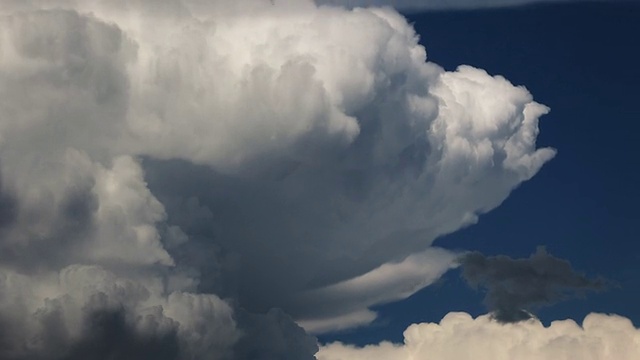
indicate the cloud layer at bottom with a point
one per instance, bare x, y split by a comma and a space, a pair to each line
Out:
458, 336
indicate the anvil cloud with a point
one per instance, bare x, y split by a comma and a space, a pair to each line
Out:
179, 170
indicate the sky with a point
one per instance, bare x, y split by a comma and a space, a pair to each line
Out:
185, 179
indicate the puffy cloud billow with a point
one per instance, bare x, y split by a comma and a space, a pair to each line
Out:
180, 177
460, 337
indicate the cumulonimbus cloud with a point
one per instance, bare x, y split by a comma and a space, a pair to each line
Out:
178, 169
458, 336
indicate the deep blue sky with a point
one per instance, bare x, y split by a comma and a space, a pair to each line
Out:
583, 61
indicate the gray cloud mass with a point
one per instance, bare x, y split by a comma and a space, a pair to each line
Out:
514, 286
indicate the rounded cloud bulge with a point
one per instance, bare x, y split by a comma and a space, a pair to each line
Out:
459, 336
174, 170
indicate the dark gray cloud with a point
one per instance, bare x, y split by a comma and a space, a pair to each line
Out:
273, 336
106, 334
30, 250
115, 333
8, 209
514, 287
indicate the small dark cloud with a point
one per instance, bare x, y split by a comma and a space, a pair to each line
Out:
515, 286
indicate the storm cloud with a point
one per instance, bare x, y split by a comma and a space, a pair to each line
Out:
195, 173
514, 287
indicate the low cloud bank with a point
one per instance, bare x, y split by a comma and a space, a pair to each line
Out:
458, 336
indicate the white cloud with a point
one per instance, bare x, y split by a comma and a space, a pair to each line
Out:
459, 337
261, 154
